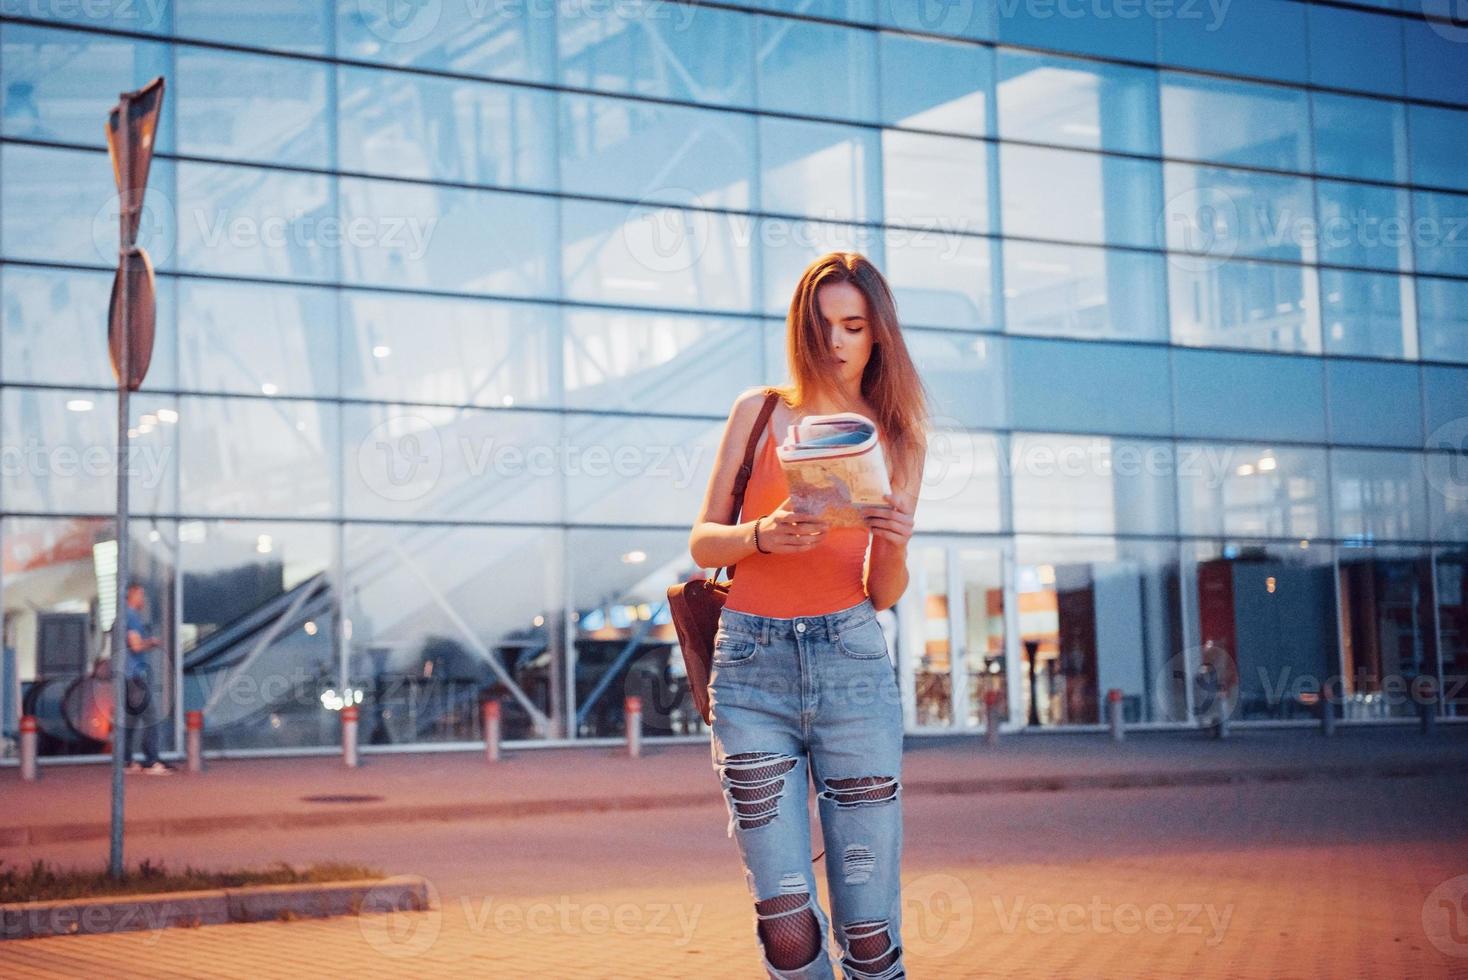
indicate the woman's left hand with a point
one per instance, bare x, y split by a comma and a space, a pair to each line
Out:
894, 524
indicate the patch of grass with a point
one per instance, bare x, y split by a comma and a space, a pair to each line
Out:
43, 882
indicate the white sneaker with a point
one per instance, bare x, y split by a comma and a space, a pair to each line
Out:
133, 766
159, 768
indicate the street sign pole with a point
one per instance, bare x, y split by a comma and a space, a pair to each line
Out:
131, 127
119, 615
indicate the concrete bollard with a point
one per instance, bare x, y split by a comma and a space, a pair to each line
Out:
28, 748
991, 717
1427, 706
1327, 709
633, 708
349, 736
492, 730
194, 739
1113, 709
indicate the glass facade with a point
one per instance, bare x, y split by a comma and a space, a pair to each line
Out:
453, 301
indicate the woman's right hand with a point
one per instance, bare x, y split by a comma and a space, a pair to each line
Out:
784, 530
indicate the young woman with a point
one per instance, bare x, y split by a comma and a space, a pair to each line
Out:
802, 685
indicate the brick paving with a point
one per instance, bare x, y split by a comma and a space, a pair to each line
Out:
1304, 912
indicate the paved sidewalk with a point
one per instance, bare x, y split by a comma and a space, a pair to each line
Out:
71, 802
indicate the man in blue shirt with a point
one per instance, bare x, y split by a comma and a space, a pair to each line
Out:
140, 641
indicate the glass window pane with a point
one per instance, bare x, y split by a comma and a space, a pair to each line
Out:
1362, 225
820, 170
1356, 137
57, 85
955, 81
491, 40
260, 689
619, 587
1447, 492
1442, 319
1237, 303
251, 108
1438, 138
441, 616
856, 11
1229, 395
1078, 386
1368, 313
1388, 629
646, 47
448, 351
1452, 611
637, 470
1234, 122
1374, 403
255, 339
1436, 68
705, 158
940, 279
964, 375
1046, 98
1099, 614
62, 206
1264, 616
1356, 49
1116, 31
971, 20
1264, 38
650, 362
1078, 291
271, 457
960, 488
406, 125
245, 221
296, 25
53, 331
788, 246
655, 256
423, 462
1379, 494
815, 69
141, 17
455, 239
1092, 484
1251, 214
1079, 197
938, 182
62, 451
1445, 407
1440, 232
1252, 490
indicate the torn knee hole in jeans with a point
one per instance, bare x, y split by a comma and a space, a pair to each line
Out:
860, 790
788, 929
870, 951
754, 782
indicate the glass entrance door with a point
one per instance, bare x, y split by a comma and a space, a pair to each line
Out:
952, 637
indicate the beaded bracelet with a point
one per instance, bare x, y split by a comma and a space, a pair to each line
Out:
756, 536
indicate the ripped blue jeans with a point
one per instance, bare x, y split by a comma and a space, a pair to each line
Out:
813, 698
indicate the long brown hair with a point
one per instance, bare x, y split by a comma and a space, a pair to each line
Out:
890, 382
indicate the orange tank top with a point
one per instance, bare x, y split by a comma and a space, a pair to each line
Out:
825, 579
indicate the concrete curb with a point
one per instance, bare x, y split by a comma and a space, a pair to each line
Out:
28, 835
253, 903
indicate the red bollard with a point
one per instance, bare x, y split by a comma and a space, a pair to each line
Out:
28, 748
492, 730
991, 717
349, 736
194, 739
633, 708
